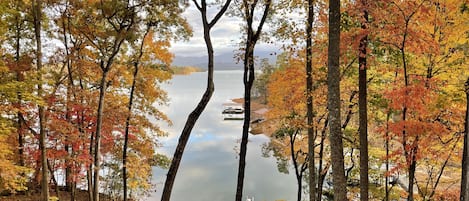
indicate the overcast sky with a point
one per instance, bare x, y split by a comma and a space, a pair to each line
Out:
225, 35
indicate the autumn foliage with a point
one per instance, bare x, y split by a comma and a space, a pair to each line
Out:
90, 37
100, 52
417, 65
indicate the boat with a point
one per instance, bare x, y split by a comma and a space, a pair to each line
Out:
233, 112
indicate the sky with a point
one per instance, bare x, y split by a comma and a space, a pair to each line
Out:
225, 35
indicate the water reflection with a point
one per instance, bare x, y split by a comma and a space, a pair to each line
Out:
208, 169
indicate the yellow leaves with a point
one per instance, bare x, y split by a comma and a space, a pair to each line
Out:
138, 172
286, 91
12, 176
157, 49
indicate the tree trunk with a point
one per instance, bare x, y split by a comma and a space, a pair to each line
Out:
299, 170
127, 121
309, 102
321, 172
333, 102
465, 159
362, 104
411, 170
410, 156
99, 125
73, 191
386, 187
70, 89
126, 133
54, 180
19, 78
248, 80
37, 16
89, 172
195, 114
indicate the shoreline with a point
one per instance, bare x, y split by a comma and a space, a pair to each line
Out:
260, 124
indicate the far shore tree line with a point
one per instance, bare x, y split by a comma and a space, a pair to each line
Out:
185, 70
361, 92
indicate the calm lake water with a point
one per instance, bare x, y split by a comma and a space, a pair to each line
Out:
208, 170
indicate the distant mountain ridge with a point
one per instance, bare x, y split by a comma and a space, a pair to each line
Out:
222, 62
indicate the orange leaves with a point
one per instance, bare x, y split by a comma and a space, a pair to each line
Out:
155, 49
286, 91
414, 97
400, 21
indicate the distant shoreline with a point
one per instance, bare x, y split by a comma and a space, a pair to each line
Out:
185, 70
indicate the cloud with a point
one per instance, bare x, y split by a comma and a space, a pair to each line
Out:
225, 35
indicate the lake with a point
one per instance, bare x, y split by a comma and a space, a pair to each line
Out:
208, 171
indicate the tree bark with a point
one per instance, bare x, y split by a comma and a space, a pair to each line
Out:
37, 17
248, 80
362, 104
195, 114
322, 172
309, 102
97, 143
89, 172
386, 185
333, 85
465, 159
127, 125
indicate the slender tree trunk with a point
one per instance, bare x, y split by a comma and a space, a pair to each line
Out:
195, 114
37, 15
89, 172
321, 176
294, 158
299, 170
442, 170
409, 155
54, 180
70, 88
106, 65
386, 187
362, 104
465, 159
19, 78
411, 170
99, 124
127, 121
309, 102
126, 134
190, 122
333, 82
248, 80
20, 136
299, 180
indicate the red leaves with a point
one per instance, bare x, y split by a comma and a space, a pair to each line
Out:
414, 97
415, 125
